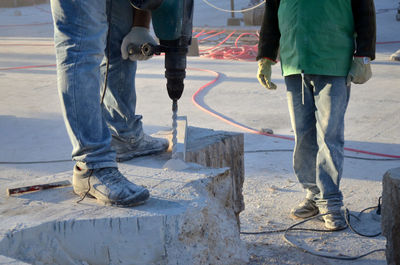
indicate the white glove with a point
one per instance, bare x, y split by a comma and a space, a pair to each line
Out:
137, 36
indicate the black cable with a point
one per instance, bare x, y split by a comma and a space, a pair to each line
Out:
269, 150
250, 151
319, 254
347, 218
340, 256
108, 53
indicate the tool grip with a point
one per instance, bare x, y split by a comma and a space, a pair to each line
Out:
20, 190
146, 49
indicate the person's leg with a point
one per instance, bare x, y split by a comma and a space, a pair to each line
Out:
128, 138
331, 100
120, 95
80, 38
301, 109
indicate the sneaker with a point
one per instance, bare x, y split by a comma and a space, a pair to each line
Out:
334, 220
147, 145
108, 186
305, 209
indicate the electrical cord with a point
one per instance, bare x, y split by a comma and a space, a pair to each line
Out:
319, 254
234, 11
108, 53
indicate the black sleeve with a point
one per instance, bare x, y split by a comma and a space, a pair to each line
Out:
268, 44
365, 27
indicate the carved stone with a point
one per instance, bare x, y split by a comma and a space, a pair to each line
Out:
391, 215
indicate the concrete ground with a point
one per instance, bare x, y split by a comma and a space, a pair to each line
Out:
32, 129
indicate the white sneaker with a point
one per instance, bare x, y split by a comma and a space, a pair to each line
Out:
334, 220
147, 145
108, 186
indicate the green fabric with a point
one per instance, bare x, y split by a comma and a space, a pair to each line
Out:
317, 36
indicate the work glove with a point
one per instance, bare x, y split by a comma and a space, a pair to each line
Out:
360, 71
264, 73
137, 37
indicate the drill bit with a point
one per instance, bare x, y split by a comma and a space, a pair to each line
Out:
174, 127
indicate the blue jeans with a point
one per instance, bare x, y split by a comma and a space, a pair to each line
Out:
317, 105
82, 48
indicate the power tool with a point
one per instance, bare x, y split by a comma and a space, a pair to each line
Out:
172, 23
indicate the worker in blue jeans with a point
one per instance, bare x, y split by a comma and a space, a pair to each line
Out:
96, 83
323, 47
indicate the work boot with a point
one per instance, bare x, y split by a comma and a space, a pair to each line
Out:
334, 220
305, 209
108, 186
146, 145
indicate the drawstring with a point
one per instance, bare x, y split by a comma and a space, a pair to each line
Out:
302, 88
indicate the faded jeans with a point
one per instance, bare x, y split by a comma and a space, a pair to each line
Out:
82, 48
317, 105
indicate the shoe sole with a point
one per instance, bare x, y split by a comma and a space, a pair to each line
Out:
109, 203
336, 228
295, 217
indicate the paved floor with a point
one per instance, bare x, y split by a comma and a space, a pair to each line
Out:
32, 129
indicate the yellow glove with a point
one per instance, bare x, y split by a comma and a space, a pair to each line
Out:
360, 71
264, 73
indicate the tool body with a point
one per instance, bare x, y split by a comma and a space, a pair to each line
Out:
172, 22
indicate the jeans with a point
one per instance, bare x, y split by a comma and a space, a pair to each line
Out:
317, 105
82, 50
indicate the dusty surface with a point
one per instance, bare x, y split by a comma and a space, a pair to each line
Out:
32, 129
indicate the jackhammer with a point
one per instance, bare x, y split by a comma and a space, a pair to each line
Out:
172, 23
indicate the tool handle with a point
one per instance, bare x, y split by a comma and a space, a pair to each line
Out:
38, 187
146, 49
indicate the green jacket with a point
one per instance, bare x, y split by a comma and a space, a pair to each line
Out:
317, 36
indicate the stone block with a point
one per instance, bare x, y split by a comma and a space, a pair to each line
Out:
391, 215
189, 219
254, 16
218, 149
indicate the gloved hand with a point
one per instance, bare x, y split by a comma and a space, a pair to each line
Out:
360, 71
137, 36
264, 73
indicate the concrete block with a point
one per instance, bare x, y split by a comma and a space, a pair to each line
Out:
194, 48
219, 149
233, 22
254, 17
391, 215
189, 219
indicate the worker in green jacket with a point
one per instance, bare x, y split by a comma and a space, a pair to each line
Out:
323, 46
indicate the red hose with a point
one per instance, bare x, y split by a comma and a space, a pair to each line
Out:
219, 44
215, 34
27, 67
251, 130
219, 116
